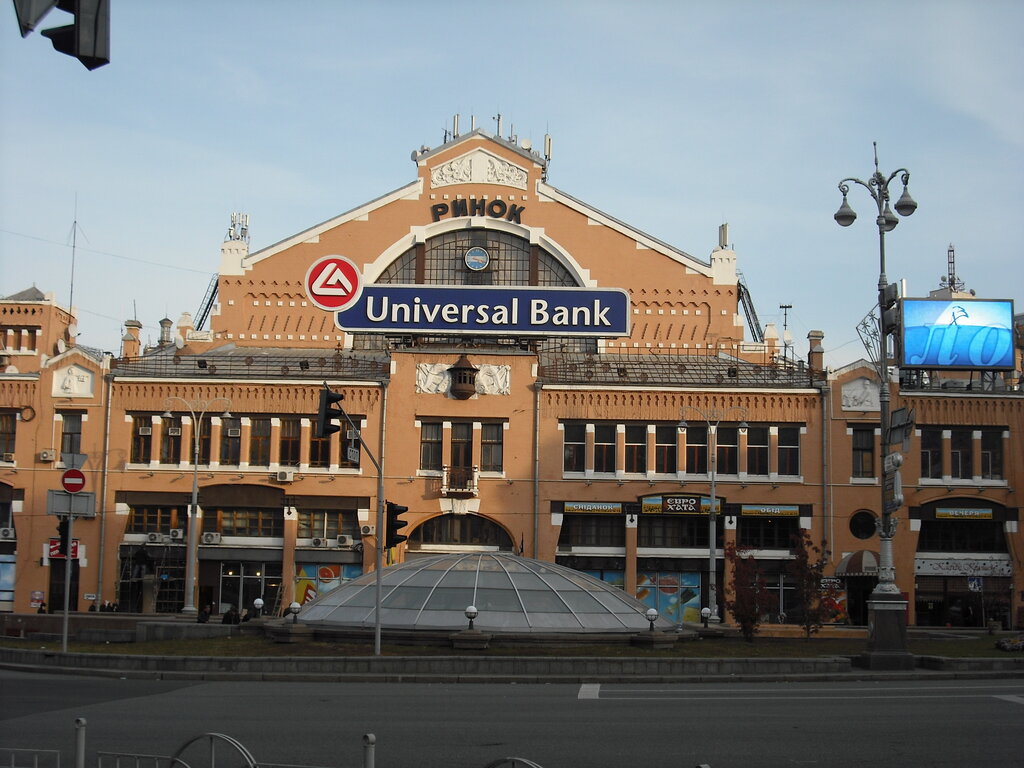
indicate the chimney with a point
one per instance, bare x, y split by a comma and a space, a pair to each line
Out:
130, 342
185, 324
165, 332
816, 355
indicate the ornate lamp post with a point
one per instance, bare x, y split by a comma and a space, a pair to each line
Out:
712, 417
887, 624
198, 410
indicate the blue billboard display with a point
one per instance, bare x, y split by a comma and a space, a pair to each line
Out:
957, 334
488, 310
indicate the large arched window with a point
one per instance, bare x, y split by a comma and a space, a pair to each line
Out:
460, 531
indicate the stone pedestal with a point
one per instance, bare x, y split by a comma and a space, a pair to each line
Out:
887, 634
653, 640
289, 632
470, 640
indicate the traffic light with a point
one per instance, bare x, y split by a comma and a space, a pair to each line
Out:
890, 308
325, 417
65, 538
392, 538
87, 38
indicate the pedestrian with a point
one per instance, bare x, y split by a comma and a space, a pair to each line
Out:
41, 608
204, 615
230, 616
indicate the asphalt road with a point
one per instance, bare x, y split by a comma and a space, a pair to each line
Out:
885, 723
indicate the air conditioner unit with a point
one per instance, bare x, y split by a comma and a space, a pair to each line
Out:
48, 454
8, 457
154, 538
145, 430
235, 432
367, 530
346, 541
177, 534
7, 534
211, 538
174, 431
319, 542
285, 475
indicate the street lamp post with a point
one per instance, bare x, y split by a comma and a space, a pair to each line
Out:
887, 623
712, 417
198, 410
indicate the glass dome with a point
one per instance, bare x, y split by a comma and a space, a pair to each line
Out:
512, 594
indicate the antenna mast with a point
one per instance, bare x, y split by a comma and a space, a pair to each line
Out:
950, 281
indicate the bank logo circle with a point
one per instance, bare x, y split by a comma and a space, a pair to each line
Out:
333, 283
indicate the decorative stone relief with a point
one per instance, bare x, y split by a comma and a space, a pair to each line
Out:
73, 381
480, 167
861, 395
434, 379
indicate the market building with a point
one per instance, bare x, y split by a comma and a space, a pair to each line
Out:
532, 376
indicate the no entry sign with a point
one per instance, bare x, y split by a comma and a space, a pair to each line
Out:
73, 480
333, 283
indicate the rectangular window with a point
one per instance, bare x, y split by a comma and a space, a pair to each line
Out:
636, 448
71, 433
8, 422
430, 445
205, 436
789, 451
491, 447
757, 451
767, 532
152, 519
962, 536
326, 523
592, 531
170, 441
230, 441
142, 439
665, 451
961, 445
249, 521
289, 442
604, 448
259, 442
863, 439
319, 450
697, 450
992, 454
574, 447
931, 453
727, 450
681, 531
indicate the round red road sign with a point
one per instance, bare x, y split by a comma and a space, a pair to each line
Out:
333, 283
73, 480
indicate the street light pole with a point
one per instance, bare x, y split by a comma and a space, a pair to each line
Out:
887, 625
712, 417
197, 409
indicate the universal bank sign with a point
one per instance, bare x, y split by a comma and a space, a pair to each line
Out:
335, 284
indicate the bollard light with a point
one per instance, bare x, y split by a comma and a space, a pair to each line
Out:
295, 608
652, 616
705, 614
258, 605
471, 613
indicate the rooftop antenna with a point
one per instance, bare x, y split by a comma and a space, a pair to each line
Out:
74, 248
547, 156
498, 119
723, 236
950, 281
787, 337
239, 228
455, 126
472, 123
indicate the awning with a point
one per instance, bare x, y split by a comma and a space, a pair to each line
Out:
860, 563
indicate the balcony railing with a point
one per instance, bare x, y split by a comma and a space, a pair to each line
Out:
457, 481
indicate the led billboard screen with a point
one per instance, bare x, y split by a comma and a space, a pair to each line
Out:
957, 334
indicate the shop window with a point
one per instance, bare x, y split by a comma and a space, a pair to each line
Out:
961, 453
8, 422
142, 439
961, 536
574, 447
430, 446
289, 442
757, 451
992, 454
931, 453
592, 531
230, 441
767, 532
862, 524
636, 448
604, 448
697, 450
327, 523
665, 449
170, 441
250, 521
727, 450
259, 442
789, 451
680, 531
71, 433
863, 445
492, 447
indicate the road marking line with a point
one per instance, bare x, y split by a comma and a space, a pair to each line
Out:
590, 691
1014, 699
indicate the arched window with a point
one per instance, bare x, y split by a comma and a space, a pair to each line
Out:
460, 531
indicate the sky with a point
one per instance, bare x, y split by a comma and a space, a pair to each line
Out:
117, 185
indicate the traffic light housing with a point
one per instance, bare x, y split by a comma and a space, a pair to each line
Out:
890, 308
87, 38
328, 412
392, 538
63, 531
